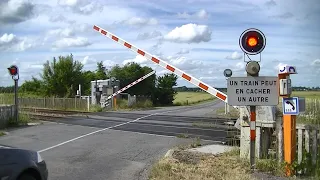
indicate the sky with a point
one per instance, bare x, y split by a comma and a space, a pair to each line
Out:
200, 37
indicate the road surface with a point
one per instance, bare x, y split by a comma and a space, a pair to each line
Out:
114, 145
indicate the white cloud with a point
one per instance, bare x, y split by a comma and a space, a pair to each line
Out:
68, 2
15, 11
138, 21
183, 51
208, 78
71, 19
62, 32
10, 42
201, 14
57, 18
88, 60
138, 59
235, 56
240, 66
189, 33
149, 35
109, 63
71, 42
186, 64
270, 3
81, 6
316, 63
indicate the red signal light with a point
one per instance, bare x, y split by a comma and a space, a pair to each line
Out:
252, 41
13, 70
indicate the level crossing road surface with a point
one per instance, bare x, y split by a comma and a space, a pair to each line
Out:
114, 145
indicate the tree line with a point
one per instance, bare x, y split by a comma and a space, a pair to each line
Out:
61, 77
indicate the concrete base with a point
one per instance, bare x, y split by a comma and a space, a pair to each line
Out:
212, 149
263, 142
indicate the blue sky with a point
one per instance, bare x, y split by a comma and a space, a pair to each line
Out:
199, 37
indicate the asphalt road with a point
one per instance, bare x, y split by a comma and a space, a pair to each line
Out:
114, 145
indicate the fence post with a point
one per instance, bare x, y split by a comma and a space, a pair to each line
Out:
314, 146
88, 103
280, 139
300, 141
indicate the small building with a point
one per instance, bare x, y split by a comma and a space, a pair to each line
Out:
101, 89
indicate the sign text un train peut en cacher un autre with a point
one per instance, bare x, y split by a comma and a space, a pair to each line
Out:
253, 91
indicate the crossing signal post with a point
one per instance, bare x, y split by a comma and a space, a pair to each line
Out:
288, 120
14, 72
252, 42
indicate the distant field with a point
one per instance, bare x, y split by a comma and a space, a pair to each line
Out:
307, 94
185, 98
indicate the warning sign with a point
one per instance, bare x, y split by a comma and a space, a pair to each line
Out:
253, 91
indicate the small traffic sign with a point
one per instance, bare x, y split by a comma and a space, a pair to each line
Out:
287, 69
290, 105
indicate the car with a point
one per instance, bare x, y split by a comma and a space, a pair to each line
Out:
21, 164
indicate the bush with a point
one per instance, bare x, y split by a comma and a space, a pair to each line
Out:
95, 108
24, 119
143, 104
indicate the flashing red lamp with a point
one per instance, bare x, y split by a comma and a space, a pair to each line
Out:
252, 41
13, 70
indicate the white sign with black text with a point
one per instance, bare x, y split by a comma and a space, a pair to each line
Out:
253, 91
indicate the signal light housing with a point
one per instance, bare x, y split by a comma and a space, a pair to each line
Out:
252, 41
13, 70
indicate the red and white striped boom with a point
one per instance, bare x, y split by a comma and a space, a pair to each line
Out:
164, 64
131, 84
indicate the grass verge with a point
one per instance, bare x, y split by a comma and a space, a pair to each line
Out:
24, 119
227, 166
233, 113
122, 104
196, 166
2, 133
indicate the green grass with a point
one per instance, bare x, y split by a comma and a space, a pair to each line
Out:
233, 113
2, 133
24, 119
188, 98
122, 104
306, 94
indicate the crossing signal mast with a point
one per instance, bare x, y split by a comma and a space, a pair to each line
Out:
14, 72
252, 42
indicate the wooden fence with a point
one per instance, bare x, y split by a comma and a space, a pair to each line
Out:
55, 103
6, 113
307, 142
52, 103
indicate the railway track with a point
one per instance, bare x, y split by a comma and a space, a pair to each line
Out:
50, 111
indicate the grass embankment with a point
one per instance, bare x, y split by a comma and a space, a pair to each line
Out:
190, 98
23, 119
228, 166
